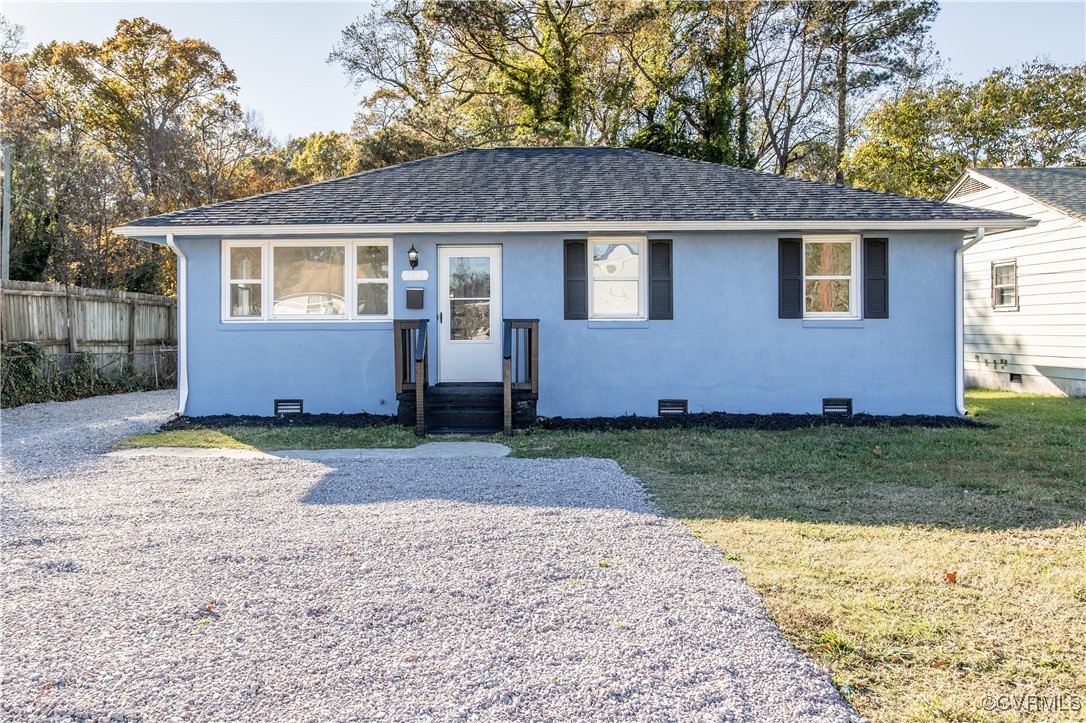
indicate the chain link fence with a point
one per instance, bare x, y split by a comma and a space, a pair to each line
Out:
29, 374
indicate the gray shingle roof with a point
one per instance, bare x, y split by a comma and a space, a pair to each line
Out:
503, 185
1061, 188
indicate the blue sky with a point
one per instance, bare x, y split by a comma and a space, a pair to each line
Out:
278, 50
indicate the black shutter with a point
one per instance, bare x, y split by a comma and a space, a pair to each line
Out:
576, 279
876, 279
790, 283
660, 285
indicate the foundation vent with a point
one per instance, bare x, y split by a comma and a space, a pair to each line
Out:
671, 407
288, 406
1016, 378
837, 407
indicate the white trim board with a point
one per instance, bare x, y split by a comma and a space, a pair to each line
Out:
151, 233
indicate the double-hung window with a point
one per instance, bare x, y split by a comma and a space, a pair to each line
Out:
1005, 285
616, 278
830, 277
244, 285
306, 280
372, 280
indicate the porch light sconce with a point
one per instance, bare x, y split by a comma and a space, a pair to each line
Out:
413, 256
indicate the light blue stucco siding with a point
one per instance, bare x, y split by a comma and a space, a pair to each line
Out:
725, 350
241, 368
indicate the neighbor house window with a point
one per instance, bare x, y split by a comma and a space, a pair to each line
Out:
829, 277
303, 280
617, 278
1005, 285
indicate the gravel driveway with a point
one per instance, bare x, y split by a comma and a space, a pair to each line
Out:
274, 589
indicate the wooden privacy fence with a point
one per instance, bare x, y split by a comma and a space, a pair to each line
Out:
71, 318
116, 329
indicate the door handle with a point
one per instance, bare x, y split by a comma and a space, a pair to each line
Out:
440, 317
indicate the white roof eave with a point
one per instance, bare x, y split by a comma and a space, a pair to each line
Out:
155, 233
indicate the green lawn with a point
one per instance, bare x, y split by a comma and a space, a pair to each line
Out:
853, 535
849, 535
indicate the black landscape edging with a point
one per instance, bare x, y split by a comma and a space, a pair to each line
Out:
766, 422
219, 421
704, 420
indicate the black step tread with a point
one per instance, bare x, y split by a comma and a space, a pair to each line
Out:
466, 385
470, 404
463, 430
467, 389
472, 401
461, 417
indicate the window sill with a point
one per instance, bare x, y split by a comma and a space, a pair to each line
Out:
618, 324
327, 325
833, 323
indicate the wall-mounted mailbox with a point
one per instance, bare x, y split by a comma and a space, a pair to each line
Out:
414, 298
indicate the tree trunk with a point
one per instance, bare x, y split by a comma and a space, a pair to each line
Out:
842, 97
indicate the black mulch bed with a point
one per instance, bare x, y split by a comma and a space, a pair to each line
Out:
352, 421
710, 420
769, 422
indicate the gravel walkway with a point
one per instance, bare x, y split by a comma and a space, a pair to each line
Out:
400, 589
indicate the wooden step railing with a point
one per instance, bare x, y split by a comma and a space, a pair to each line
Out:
520, 363
412, 364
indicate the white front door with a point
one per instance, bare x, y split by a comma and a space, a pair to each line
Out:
469, 319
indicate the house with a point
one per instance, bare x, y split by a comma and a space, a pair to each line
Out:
1025, 290
598, 281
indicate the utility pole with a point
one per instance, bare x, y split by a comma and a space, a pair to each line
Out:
5, 148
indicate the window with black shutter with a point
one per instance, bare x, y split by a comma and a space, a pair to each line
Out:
790, 282
876, 278
819, 277
576, 276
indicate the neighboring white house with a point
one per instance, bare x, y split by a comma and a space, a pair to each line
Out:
1025, 290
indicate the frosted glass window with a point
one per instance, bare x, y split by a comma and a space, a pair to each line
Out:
616, 280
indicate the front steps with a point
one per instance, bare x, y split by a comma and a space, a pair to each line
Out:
466, 408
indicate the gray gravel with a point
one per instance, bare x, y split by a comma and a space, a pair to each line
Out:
399, 589
41, 439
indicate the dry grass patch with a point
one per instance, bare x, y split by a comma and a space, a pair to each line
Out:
273, 438
204, 438
873, 603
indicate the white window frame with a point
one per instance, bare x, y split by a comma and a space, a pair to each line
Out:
228, 280
642, 243
267, 281
355, 281
854, 289
1013, 263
